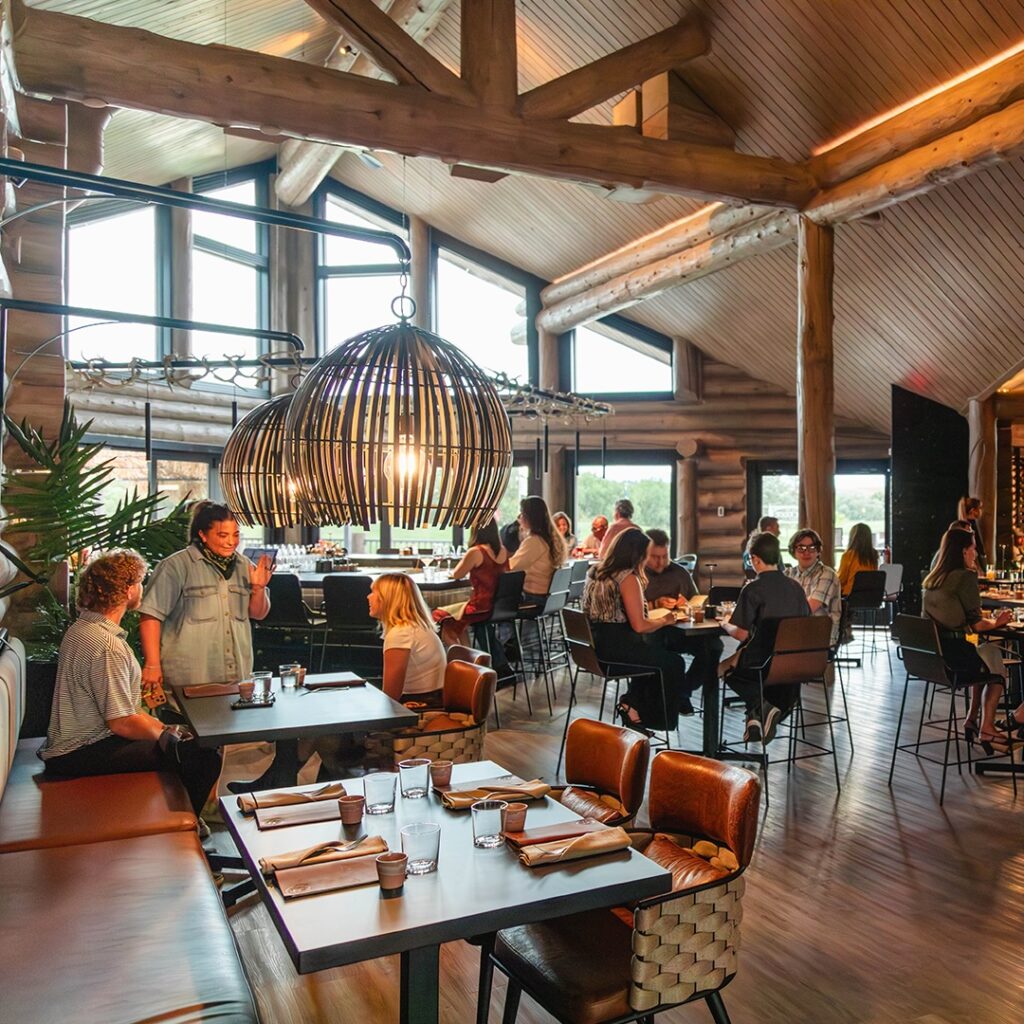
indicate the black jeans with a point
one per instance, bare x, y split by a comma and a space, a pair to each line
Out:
706, 652
197, 767
783, 696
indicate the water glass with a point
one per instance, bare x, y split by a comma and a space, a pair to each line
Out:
413, 775
487, 823
421, 843
379, 790
1018, 614
264, 684
289, 675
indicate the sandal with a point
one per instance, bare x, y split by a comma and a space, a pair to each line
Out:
971, 730
625, 711
1010, 725
993, 744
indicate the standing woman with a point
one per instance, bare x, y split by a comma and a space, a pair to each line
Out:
952, 599
541, 552
613, 601
970, 511
194, 617
859, 556
484, 563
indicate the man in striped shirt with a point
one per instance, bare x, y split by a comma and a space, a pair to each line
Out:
97, 726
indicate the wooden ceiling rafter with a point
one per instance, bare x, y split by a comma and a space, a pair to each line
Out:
85, 61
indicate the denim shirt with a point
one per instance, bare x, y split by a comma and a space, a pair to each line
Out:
206, 637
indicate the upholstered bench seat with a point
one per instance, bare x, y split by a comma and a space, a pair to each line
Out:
124, 932
589, 804
37, 810
688, 870
577, 966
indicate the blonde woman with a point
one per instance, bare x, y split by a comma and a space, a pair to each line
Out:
414, 658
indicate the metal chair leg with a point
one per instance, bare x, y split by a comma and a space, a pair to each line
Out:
899, 722
832, 739
515, 990
568, 716
717, 1008
483, 988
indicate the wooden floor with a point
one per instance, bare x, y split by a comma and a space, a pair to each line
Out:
876, 907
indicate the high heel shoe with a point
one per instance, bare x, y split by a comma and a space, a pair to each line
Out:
993, 745
970, 730
623, 710
1010, 724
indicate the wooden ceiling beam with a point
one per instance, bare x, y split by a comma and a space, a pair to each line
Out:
74, 58
303, 165
579, 90
489, 64
392, 49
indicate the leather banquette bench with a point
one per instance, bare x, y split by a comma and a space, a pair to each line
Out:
108, 910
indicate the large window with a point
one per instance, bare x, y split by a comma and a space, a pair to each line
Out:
112, 264
616, 358
650, 485
483, 313
229, 271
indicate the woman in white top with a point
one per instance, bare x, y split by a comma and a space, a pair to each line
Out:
414, 658
541, 552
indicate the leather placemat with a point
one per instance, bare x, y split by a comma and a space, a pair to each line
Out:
211, 690
501, 780
297, 814
311, 879
339, 682
552, 833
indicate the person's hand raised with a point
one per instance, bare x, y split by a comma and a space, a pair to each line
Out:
260, 573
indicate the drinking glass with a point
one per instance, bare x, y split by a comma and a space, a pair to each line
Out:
264, 684
379, 790
421, 843
413, 775
1018, 614
487, 823
289, 675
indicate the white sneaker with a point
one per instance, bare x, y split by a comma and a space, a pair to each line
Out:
752, 733
771, 722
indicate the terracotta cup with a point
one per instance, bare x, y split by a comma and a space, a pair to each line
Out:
391, 871
698, 614
351, 809
513, 818
246, 688
440, 773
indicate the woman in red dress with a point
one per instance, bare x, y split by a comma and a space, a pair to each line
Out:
484, 563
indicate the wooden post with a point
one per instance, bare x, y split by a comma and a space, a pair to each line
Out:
292, 289
686, 366
547, 358
686, 505
981, 473
553, 481
814, 385
419, 271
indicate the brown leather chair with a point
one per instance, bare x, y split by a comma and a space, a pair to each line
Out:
605, 771
455, 733
631, 963
457, 652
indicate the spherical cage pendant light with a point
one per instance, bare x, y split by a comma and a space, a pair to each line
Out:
252, 471
397, 423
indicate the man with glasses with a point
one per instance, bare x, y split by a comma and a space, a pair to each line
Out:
820, 582
772, 595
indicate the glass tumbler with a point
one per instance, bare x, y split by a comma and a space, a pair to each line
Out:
289, 675
421, 843
487, 823
264, 684
413, 776
379, 790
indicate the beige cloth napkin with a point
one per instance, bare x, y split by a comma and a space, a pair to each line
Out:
464, 798
322, 853
248, 802
605, 841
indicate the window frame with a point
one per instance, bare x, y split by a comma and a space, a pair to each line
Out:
647, 335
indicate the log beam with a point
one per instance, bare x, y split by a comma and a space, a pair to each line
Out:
75, 58
579, 90
392, 49
750, 238
489, 64
816, 457
419, 271
687, 364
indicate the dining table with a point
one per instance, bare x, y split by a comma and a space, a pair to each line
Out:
473, 892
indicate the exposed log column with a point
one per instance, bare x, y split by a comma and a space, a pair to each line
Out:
686, 505
419, 271
489, 65
981, 421
814, 384
687, 361
553, 481
547, 358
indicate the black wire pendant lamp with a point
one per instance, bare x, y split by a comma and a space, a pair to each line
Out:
252, 472
398, 424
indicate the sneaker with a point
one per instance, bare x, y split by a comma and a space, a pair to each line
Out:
771, 722
752, 733
204, 830
685, 707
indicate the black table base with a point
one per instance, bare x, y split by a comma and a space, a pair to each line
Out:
419, 986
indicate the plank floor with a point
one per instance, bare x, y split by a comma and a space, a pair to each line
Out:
873, 907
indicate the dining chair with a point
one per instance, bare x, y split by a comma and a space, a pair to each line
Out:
578, 580
289, 614
459, 652
631, 963
605, 771
867, 597
545, 616
580, 641
507, 596
348, 621
921, 653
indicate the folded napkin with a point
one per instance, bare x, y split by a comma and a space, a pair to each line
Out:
458, 800
322, 853
212, 690
591, 845
311, 879
551, 833
333, 682
248, 802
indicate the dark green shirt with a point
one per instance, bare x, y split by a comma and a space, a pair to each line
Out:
957, 603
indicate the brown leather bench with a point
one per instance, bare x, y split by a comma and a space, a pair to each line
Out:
119, 933
39, 811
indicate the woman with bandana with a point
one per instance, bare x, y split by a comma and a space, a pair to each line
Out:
194, 617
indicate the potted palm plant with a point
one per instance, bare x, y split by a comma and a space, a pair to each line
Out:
54, 511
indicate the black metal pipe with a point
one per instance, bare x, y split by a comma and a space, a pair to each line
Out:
121, 189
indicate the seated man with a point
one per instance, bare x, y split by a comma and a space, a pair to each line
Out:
819, 581
622, 520
598, 528
766, 524
97, 726
668, 586
771, 595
